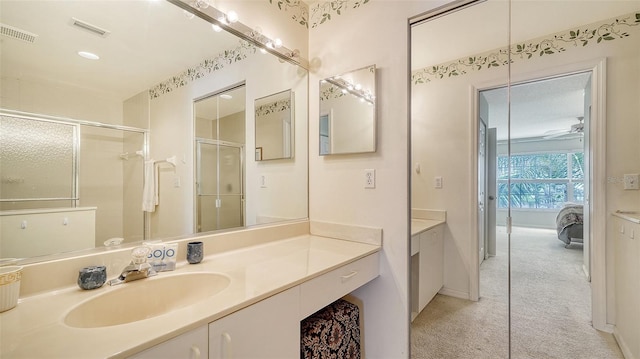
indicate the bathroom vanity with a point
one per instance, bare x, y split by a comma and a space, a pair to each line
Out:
263, 292
427, 261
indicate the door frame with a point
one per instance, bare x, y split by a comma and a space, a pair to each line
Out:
597, 186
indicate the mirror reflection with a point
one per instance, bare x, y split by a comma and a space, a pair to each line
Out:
274, 127
482, 151
129, 103
220, 136
348, 112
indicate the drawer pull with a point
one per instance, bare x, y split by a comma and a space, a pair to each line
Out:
195, 352
348, 276
226, 346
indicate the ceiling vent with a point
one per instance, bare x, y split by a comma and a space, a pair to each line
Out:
17, 34
89, 27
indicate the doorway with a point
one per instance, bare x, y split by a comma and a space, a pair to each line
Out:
219, 160
541, 193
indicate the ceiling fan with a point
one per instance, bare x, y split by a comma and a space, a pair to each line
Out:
577, 129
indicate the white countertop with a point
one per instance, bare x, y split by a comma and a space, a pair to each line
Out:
35, 328
420, 225
631, 216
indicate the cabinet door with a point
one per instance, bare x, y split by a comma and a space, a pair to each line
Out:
267, 329
431, 266
191, 345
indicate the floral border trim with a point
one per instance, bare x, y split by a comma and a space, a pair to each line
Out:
203, 69
318, 13
607, 30
273, 107
332, 91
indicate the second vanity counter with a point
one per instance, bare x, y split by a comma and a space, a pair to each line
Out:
36, 328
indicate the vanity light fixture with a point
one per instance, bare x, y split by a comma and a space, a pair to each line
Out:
187, 14
226, 96
232, 16
229, 21
88, 55
202, 4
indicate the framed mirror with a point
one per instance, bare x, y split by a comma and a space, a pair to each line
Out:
274, 126
348, 112
129, 104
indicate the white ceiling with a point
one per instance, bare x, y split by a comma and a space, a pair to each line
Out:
149, 42
538, 108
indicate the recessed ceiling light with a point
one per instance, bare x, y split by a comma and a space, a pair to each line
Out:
226, 96
88, 55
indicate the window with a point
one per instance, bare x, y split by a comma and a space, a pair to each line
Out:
541, 180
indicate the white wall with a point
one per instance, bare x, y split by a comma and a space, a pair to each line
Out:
376, 33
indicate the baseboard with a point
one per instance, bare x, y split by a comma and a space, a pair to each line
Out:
623, 346
586, 273
454, 293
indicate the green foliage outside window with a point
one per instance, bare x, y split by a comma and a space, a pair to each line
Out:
541, 181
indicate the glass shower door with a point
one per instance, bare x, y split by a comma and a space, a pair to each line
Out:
220, 195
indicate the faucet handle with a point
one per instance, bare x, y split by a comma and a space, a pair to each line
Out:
139, 254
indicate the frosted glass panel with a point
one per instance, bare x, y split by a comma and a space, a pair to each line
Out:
36, 159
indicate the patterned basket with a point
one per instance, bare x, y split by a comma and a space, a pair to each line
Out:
332, 332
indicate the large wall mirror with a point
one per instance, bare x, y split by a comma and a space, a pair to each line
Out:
518, 129
348, 112
113, 85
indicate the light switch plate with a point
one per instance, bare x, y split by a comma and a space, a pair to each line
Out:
631, 181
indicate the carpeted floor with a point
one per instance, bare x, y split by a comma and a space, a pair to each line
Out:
551, 308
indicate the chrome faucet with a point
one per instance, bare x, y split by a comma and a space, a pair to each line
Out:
137, 269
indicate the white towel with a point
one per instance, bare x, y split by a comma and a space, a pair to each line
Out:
149, 190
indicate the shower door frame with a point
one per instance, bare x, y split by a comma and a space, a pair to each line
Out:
198, 174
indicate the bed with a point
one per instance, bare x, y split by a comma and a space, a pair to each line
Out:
569, 224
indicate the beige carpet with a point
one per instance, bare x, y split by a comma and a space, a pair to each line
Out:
550, 308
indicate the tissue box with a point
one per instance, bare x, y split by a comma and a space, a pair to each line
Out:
162, 256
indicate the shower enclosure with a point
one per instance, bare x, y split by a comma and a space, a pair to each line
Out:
219, 160
60, 165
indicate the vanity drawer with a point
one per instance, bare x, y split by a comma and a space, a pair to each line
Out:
318, 292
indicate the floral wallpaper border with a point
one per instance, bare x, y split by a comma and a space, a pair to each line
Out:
331, 91
203, 69
318, 13
608, 30
273, 107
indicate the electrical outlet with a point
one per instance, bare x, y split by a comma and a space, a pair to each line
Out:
631, 181
370, 178
176, 182
437, 182
263, 181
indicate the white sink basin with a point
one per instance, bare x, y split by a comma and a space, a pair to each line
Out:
145, 298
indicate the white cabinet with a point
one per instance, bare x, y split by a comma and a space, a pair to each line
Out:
329, 287
267, 329
627, 289
191, 345
427, 267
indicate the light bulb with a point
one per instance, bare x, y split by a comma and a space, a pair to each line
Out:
262, 50
358, 87
223, 20
277, 43
202, 4
344, 90
187, 14
350, 87
216, 28
269, 44
232, 16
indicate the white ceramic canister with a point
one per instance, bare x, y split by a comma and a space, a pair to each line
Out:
9, 286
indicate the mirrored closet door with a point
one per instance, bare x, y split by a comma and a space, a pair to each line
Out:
509, 139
